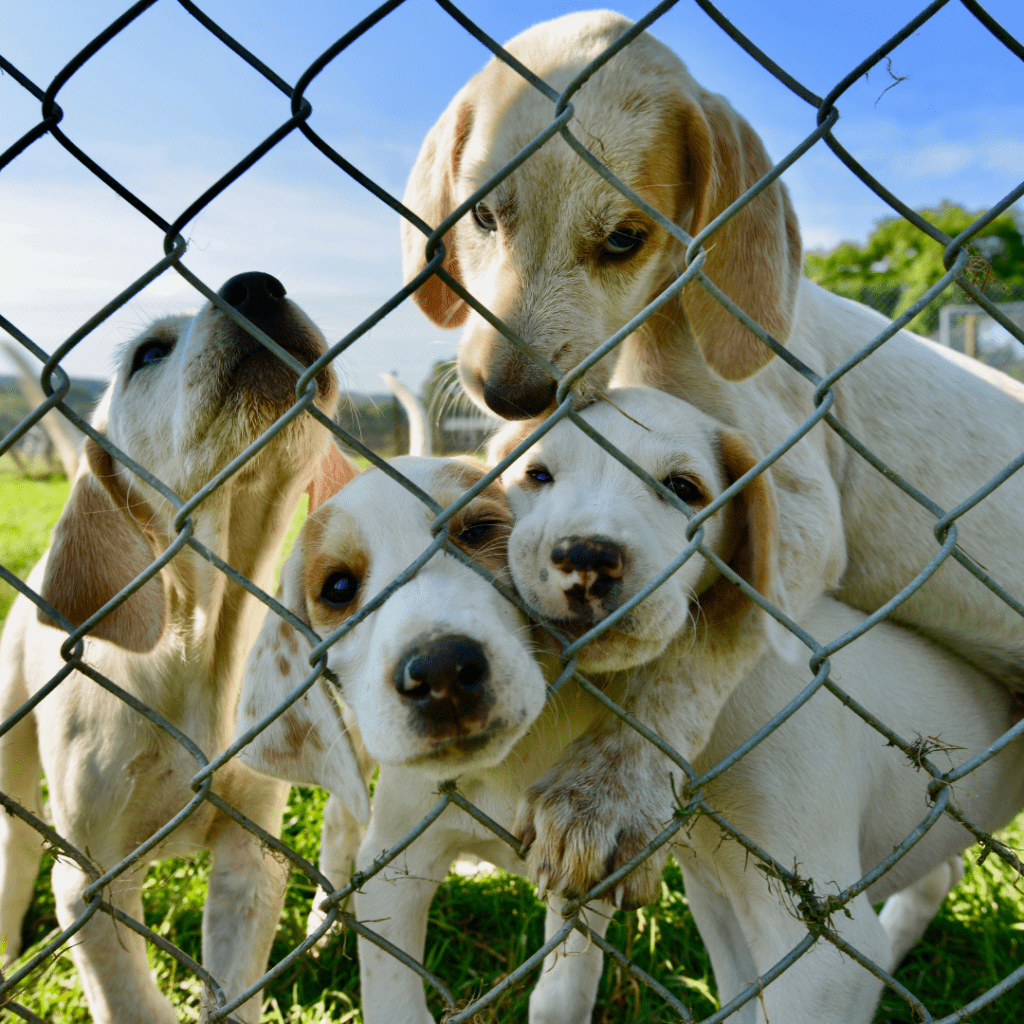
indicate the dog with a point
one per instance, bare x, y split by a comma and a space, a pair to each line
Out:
565, 260
441, 682
431, 708
823, 790
191, 393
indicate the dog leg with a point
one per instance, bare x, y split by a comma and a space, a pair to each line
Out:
825, 985
21, 847
339, 847
244, 900
723, 938
110, 957
395, 902
566, 991
612, 791
907, 914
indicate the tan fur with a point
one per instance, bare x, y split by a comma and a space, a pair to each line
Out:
843, 526
177, 645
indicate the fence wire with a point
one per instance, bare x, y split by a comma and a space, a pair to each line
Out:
815, 907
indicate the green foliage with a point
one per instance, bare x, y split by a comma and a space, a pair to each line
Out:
900, 263
28, 510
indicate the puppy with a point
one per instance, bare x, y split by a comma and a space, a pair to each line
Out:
190, 394
565, 261
822, 791
442, 683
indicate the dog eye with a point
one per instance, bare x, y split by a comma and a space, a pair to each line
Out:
150, 352
484, 217
623, 242
339, 589
685, 489
540, 475
476, 534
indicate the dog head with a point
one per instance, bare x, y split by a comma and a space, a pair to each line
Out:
590, 534
191, 393
440, 677
557, 253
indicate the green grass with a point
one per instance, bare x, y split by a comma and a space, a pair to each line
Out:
483, 928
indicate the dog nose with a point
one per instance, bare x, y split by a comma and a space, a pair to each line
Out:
257, 296
592, 566
445, 680
519, 400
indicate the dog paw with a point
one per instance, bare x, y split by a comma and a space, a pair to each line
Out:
580, 826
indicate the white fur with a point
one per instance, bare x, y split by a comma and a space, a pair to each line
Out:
377, 524
177, 645
823, 792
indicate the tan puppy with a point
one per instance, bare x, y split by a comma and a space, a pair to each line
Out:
565, 260
190, 395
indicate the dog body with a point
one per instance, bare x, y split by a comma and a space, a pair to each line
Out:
565, 260
442, 683
823, 791
828, 798
191, 394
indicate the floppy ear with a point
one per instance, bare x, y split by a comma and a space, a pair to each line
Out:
430, 193
336, 469
308, 742
98, 548
754, 526
756, 257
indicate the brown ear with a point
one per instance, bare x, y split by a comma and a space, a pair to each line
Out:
98, 548
755, 258
336, 469
753, 540
430, 193
308, 742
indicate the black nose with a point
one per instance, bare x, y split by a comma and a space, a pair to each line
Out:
600, 562
445, 679
257, 296
519, 400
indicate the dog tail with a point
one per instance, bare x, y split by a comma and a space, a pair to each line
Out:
420, 441
66, 437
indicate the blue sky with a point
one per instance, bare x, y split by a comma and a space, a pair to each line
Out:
166, 108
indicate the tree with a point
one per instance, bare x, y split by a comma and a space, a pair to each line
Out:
900, 263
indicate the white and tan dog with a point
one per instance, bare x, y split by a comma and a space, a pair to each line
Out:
824, 791
191, 393
565, 261
442, 683
442, 686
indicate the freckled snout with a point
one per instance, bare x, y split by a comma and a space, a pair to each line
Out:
590, 572
445, 683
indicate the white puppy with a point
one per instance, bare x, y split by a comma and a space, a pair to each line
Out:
191, 393
823, 791
442, 683
565, 261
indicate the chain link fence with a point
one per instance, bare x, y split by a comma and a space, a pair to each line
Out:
815, 908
